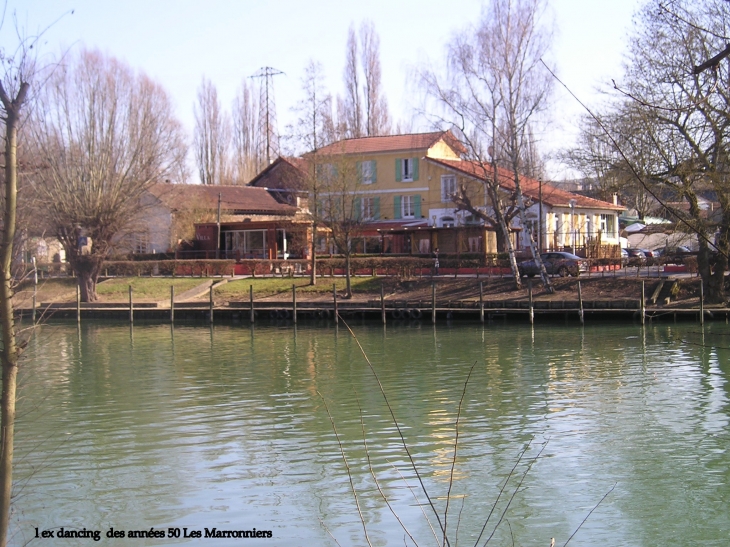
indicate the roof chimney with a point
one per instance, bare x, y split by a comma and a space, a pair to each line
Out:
615, 198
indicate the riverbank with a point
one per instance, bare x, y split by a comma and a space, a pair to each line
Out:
283, 298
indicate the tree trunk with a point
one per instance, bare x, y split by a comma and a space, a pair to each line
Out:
717, 265
87, 268
9, 354
313, 273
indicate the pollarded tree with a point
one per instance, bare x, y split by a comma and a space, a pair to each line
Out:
102, 134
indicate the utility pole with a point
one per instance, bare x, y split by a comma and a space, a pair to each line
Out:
267, 117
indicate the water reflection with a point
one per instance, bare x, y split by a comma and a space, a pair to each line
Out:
140, 427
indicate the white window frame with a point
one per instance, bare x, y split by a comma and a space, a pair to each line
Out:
407, 170
447, 180
367, 206
407, 207
605, 220
366, 173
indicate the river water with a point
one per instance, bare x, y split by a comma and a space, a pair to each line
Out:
617, 433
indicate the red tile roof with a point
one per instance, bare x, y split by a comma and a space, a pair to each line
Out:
234, 199
551, 195
392, 143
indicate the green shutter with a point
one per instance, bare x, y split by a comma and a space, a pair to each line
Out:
417, 206
398, 167
414, 171
358, 167
376, 208
396, 207
357, 205
373, 170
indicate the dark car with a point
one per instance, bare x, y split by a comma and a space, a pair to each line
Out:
556, 263
674, 255
637, 257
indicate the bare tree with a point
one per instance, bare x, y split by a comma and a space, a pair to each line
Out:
103, 135
18, 75
313, 130
211, 141
600, 162
377, 119
341, 209
675, 89
247, 143
494, 90
351, 107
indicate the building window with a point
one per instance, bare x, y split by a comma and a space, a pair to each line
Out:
407, 207
406, 169
367, 172
448, 187
370, 208
142, 242
608, 225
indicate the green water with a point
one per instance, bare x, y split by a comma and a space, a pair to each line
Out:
191, 427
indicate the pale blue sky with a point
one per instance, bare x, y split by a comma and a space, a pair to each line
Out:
177, 42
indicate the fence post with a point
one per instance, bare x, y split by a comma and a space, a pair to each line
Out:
211, 303
294, 302
481, 301
643, 303
702, 304
580, 305
172, 303
131, 306
433, 302
35, 287
250, 303
334, 297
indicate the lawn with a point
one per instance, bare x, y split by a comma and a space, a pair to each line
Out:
144, 288
62, 289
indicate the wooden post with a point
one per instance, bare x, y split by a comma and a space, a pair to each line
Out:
382, 303
35, 287
78, 304
334, 298
211, 303
433, 302
250, 302
529, 296
481, 301
294, 303
580, 305
131, 306
643, 304
702, 304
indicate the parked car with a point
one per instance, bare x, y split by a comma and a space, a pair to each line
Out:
636, 256
624, 258
556, 263
674, 255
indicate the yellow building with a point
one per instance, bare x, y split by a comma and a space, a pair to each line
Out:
403, 187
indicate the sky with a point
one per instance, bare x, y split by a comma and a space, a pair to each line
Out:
178, 42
